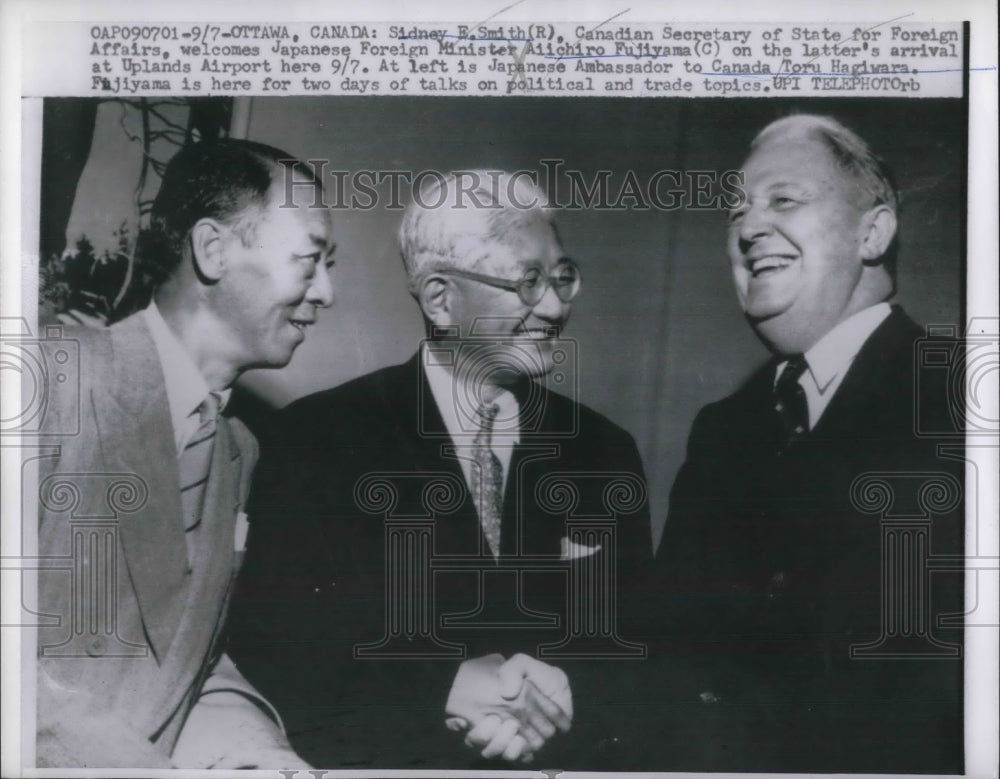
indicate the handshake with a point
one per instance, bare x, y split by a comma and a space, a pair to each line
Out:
509, 708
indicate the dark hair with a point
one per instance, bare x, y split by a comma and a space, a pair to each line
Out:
228, 180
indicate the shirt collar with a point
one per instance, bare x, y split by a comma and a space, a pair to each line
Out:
186, 387
446, 395
833, 354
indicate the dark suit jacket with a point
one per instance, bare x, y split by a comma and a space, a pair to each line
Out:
771, 569
130, 634
315, 583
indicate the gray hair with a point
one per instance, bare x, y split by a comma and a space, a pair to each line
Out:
454, 219
851, 152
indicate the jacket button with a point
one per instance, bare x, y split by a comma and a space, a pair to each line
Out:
96, 646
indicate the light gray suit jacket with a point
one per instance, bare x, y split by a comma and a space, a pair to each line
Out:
129, 652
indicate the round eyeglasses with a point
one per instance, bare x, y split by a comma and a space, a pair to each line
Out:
531, 287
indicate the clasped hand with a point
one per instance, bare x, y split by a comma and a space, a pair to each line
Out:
509, 708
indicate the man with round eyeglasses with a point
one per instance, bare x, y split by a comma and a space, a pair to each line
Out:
466, 439
532, 286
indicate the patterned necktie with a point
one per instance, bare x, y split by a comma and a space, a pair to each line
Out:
196, 460
487, 478
790, 400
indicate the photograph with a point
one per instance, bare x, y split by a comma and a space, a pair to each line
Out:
501, 429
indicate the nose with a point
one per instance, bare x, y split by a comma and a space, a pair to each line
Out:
320, 292
753, 224
550, 307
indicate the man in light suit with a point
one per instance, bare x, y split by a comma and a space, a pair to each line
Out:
143, 501
777, 562
486, 466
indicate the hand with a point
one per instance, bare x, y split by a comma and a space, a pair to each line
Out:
544, 688
476, 705
497, 736
510, 708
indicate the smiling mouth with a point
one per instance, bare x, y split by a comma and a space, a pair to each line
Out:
768, 265
538, 333
301, 324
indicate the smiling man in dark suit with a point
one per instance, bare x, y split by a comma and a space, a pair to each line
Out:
144, 500
424, 514
775, 566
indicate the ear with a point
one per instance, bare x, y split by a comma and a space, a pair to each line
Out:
434, 294
207, 249
881, 227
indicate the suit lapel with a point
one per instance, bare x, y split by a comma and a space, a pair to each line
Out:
851, 407
197, 631
214, 556
222, 497
424, 445
423, 434
135, 435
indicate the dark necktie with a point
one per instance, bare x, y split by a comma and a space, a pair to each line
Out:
790, 400
487, 478
196, 460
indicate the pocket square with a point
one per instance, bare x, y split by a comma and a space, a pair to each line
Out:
570, 550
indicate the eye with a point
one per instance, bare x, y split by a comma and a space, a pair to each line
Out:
565, 275
531, 278
736, 214
783, 202
308, 263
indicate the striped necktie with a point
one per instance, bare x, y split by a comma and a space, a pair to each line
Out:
790, 400
196, 460
487, 478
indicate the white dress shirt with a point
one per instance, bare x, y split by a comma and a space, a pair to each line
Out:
186, 387
458, 410
831, 357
